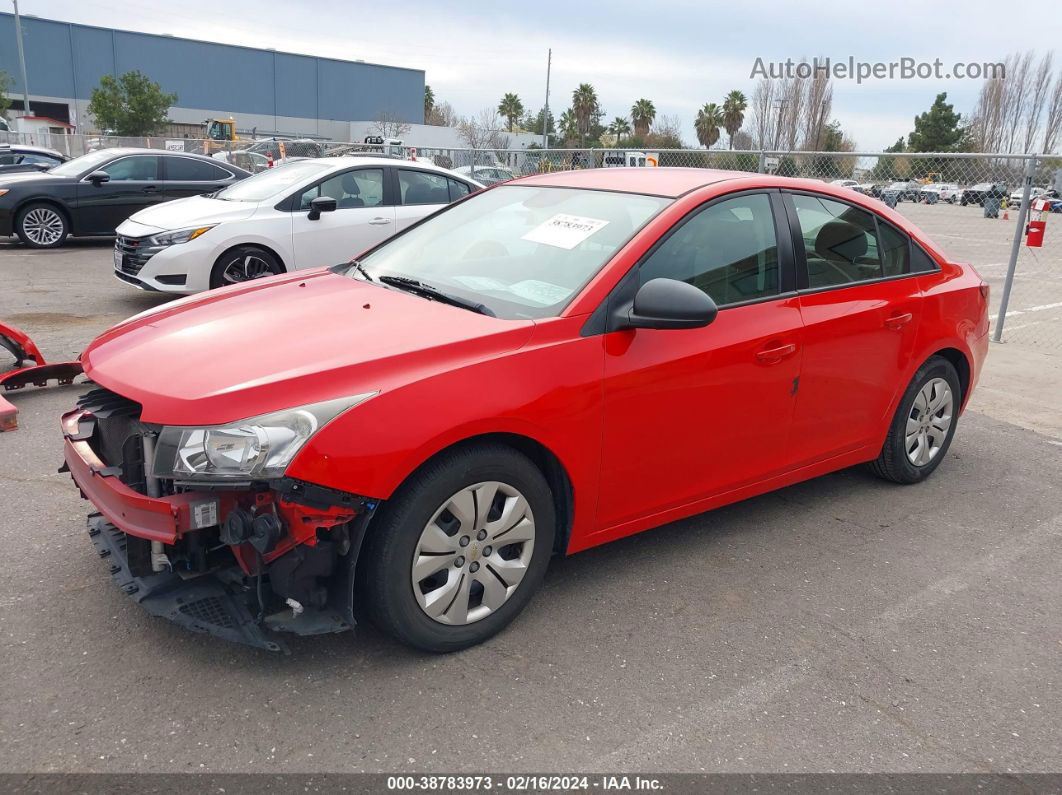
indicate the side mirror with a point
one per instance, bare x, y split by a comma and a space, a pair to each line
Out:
322, 204
669, 304
98, 177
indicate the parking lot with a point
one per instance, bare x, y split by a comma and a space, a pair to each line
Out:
841, 624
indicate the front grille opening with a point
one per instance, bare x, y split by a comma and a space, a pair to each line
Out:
117, 437
210, 610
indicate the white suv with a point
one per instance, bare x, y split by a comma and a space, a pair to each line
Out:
303, 214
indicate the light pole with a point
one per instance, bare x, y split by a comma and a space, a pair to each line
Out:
545, 111
21, 60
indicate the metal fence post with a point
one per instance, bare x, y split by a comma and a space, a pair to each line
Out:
1019, 230
763, 162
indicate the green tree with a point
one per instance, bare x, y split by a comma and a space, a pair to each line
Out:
132, 105
939, 129
619, 127
511, 108
569, 126
642, 114
586, 109
734, 114
5, 86
709, 120
429, 102
533, 122
888, 169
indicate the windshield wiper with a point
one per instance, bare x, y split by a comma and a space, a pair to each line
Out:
356, 265
435, 294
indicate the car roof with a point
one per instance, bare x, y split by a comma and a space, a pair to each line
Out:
669, 182
345, 161
25, 148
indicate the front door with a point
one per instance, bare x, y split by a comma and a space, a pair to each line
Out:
135, 183
694, 413
361, 219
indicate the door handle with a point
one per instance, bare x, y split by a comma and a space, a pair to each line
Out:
379, 221
898, 320
775, 355
151, 189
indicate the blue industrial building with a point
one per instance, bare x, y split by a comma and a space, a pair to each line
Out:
263, 89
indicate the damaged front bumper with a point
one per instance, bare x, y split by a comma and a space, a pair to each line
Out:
302, 584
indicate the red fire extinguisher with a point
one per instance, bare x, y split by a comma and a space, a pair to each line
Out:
1034, 230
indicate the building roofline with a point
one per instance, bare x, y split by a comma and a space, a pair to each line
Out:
166, 36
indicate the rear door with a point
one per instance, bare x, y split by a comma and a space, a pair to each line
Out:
420, 193
189, 176
135, 183
861, 307
363, 217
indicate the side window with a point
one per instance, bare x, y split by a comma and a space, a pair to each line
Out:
895, 250
187, 169
457, 189
728, 250
920, 261
7, 159
420, 187
362, 188
140, 168
40, 160
840, 241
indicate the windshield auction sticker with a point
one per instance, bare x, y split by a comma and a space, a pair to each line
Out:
565, 231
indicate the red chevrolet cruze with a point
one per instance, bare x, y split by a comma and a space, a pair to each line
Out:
545, 366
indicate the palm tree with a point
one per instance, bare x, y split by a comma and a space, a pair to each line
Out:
709, 120
429, 103
619, 127
585, 107
642, 114
734, 113
511, 108
568, 126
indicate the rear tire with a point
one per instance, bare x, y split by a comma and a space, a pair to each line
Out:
427, 608
244, 264
923, 426
42, 225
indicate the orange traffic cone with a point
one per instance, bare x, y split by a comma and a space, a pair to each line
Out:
1006, 213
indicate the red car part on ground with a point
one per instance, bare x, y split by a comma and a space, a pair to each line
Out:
631, 428
39, 373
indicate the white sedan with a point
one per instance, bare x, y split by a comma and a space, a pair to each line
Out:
302, 214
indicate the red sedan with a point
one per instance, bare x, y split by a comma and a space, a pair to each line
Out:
548, 365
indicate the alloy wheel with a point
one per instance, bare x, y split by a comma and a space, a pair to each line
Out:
928, 423
247, 267
473, 553
43, 226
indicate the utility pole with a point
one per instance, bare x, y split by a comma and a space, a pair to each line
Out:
21, 60
545, 111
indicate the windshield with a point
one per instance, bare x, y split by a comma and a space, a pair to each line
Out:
85, 164
273, 181
522, 251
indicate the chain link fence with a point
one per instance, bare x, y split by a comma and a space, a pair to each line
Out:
969, 204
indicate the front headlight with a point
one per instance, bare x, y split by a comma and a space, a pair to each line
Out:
258, 448
179, 236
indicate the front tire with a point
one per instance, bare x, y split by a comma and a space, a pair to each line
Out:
244, 264
923, 426
459, 550
42, 225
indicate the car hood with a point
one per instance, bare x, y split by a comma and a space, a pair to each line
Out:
192, 211
20, 178
287, 341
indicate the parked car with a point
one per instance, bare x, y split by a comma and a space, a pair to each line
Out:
905, 191
1034, 194
950, 192
17, 158
94, 193
870, 189
316, 211
975, 194
845, 183
271, 152
548, 365
936, 191
487, 175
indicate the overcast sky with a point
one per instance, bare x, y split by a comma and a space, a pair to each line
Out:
679, 53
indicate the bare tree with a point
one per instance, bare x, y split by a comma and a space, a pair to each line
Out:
1053, 124
1041, 86
389, 125
443, 115
483, 131
762, 113
815, 107
791, 113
